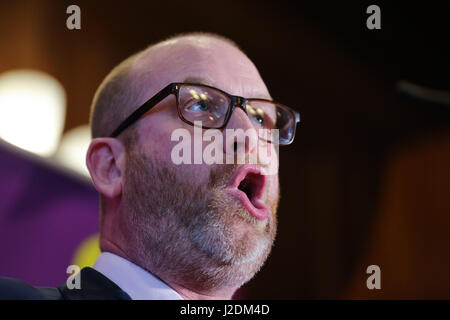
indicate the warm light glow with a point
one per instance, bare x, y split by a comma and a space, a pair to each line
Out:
73, 148
32, 110
194, 94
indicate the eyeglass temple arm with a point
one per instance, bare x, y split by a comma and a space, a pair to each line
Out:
143, 109
297, 116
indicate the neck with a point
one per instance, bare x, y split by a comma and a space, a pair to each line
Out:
189, 294
183, 291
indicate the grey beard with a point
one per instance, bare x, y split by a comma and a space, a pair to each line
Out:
185, 233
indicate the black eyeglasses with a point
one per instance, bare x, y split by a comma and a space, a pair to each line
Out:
214, 107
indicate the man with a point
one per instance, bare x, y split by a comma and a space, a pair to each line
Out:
190, 230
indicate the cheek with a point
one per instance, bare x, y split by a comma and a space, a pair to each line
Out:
273, 187
155, 136
163, 142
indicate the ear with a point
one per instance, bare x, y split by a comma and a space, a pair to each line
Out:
105, 160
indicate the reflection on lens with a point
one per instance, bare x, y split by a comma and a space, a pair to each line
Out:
203, 104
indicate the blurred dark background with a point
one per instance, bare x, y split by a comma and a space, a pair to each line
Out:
367, 179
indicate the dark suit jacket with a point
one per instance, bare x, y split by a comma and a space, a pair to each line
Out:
94, 286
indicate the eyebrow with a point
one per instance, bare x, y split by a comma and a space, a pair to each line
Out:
199, 80
208, 82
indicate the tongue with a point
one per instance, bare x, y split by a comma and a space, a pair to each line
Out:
245, 187
258, 203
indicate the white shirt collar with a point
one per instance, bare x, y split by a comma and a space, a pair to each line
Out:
137, 282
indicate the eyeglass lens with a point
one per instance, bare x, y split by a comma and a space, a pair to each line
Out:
210, 106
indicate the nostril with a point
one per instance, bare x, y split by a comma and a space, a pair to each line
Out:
235, 146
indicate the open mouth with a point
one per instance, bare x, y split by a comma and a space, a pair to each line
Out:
252, 186
248, 185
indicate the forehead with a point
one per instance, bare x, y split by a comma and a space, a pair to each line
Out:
211, 61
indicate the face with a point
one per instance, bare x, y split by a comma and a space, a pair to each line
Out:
202, 226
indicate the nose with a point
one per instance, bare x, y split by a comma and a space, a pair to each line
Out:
240, 135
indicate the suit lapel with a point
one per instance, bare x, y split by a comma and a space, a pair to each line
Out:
94, 286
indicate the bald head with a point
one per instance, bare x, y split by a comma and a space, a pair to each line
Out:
140, 76
207, 242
